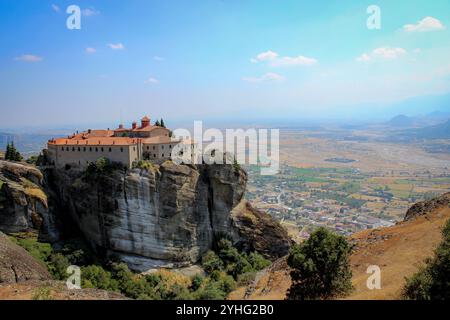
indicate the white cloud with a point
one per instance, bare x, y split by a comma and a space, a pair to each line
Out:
29, 58
89, 12
389, 53
294, 61
266, 56
116, 46
275, 60
382, 53
158, 58
425, 25
55, 8
91, 50
152, 81
363, 58
268, 77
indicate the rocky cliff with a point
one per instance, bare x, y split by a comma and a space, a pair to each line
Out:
23, 202
425, 207
164, 215
16, 264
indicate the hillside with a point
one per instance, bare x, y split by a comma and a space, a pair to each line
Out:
398, 250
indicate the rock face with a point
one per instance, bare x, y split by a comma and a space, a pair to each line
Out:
167, 215
16, 264
257, 231
23, 203
425, 207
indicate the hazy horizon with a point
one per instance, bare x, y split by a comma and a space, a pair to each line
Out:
221, 60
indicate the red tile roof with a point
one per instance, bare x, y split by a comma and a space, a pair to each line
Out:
97, 141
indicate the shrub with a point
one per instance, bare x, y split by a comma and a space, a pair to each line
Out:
246, 279
320, 267
57, 266
257, 261
42, 293
143, 164
196, 282
211, 262
97, 277
100, 167
38, 250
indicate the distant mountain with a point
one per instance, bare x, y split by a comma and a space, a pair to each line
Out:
438, 116
430, 119
440, 131
401, 121
419, 105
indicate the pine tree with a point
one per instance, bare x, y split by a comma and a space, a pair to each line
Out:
8, 152
162, 123
157, 123
12, 154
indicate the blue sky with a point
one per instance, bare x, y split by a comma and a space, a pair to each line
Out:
211, 59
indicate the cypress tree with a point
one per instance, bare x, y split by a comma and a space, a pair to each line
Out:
13, 154
8, 152
157, 123
162, 123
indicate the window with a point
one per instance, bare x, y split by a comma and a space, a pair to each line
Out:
134, 148
110, 149
90, 149
121, 149
96, 149
148, 148
67, 148
102, 149
154, 155
163, 155
73, 148
62, 149
79, 149
153, 147
170, 146
84, 149
162, 147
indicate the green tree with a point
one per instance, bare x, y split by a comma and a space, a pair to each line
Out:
8, 151
12, 154
320, 267
211, 262
57, 266
162, 123
432, 282
157, 123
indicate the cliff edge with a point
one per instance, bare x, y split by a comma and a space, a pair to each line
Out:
163, 215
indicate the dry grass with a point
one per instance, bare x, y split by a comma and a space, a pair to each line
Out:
37, 193
399, 251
